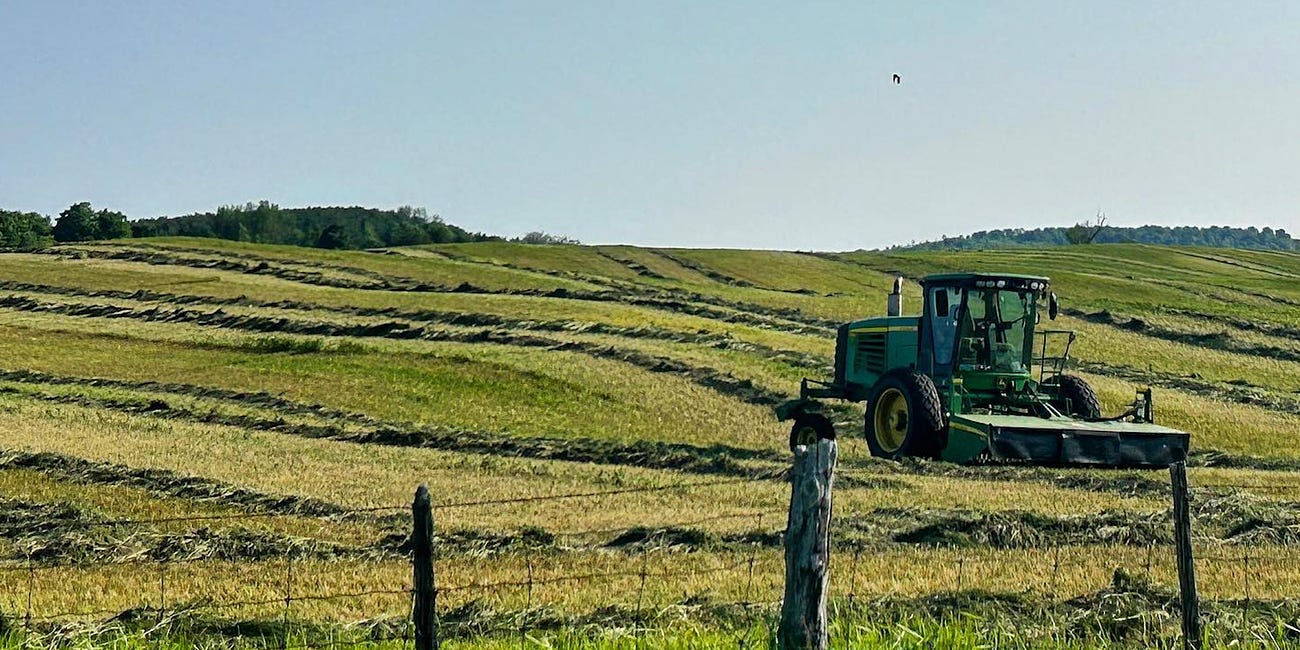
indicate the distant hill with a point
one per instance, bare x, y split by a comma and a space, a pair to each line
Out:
1215, 236
319, 227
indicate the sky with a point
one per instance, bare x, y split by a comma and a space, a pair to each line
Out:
711, 124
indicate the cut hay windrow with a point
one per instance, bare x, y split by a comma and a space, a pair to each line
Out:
719, 460
1230, 290
723, 278
1222, 341
625, 286
1127, 484
132, 545
635, 291
627, 291
712, 274
166, 484
1235, 323
1230, 261
1238, 392
720, 341
675, 301
744, 390
632, 265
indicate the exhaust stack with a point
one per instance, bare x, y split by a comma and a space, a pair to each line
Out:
895, 307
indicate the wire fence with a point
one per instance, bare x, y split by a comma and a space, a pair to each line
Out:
629, 576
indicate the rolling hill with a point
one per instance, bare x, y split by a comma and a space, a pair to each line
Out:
196, 385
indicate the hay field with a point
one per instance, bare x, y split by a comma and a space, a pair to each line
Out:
188, 425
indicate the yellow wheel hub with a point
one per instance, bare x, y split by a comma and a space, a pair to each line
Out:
891, 419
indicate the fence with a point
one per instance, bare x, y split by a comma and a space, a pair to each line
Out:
632, 576
156, 576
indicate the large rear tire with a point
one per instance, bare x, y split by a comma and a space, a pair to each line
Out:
808, 428
1081, 398
904, 416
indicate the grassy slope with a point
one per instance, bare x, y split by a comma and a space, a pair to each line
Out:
717, 333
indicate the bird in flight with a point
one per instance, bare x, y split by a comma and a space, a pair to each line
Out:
897, 79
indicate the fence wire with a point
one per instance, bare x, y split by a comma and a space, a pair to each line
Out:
747, 579
24, 575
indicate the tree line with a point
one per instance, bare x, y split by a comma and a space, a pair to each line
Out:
262, 222
1085, 233
321, 227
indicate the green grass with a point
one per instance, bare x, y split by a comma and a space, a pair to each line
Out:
849, 630
512, 393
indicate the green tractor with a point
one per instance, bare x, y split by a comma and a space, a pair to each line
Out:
973, 377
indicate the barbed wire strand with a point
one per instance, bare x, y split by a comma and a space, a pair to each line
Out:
598, 493
351, 511
142, 558
1244, 558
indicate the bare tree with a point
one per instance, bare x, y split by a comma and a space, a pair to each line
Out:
1086, 232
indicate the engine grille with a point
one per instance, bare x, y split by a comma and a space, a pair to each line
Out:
870, 355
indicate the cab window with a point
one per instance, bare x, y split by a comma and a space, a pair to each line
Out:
944, 302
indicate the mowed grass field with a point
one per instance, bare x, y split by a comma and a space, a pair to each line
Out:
201, 430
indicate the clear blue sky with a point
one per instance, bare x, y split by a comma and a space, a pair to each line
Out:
745, 124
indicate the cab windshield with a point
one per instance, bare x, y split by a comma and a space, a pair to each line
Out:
995, 330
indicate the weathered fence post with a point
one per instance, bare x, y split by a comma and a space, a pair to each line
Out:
1186, 566
424, 612
807, 548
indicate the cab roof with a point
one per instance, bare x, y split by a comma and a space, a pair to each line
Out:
956, 278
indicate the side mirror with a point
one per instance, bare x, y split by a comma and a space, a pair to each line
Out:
941, 303
1053, 307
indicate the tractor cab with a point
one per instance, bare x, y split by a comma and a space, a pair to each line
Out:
979, 329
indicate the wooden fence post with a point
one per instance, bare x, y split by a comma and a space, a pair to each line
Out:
807, 548
1186, 566
424, 612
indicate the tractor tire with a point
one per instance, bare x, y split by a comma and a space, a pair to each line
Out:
808, 428
904, 416
1082, 400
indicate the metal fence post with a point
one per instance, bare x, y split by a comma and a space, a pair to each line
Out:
424, 614
1186, 566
